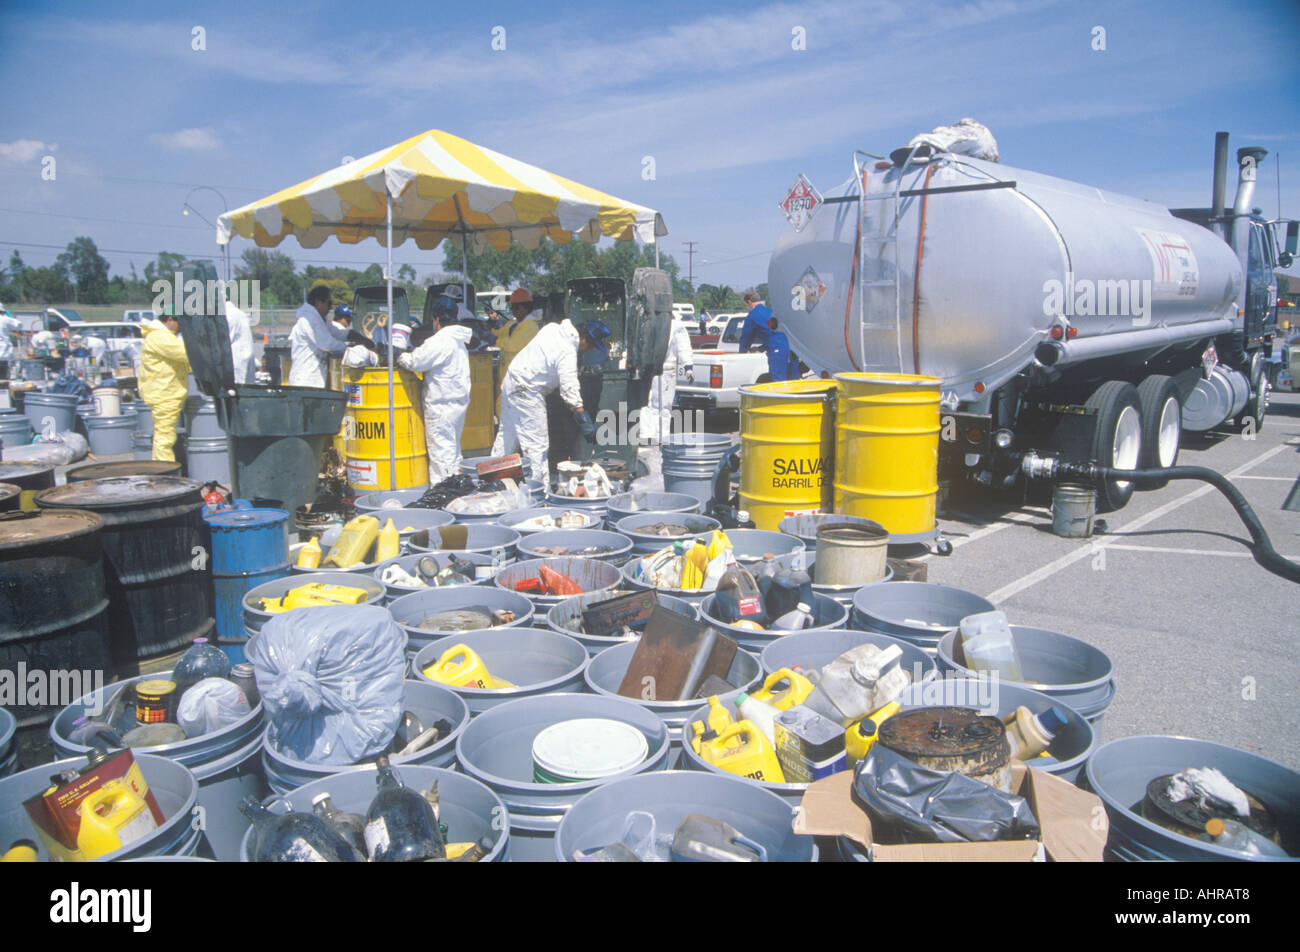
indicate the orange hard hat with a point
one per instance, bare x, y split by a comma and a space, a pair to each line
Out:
520, 296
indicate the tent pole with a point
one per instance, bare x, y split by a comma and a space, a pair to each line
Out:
388, 275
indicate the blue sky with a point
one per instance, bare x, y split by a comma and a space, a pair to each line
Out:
714, 92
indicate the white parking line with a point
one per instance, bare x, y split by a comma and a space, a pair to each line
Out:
1280, 479
1005, 521
1160, 548
1087, 551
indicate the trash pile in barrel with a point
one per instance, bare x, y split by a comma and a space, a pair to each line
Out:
480, 495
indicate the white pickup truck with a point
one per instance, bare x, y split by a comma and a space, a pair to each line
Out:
720, 373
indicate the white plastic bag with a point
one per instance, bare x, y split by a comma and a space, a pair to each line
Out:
967, 137
210, 705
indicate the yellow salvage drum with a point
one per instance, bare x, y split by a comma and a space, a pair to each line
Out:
367, 435
887, 451
480, 419
787, 440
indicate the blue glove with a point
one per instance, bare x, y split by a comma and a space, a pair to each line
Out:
585, 425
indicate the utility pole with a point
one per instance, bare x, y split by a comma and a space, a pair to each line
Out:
690, 268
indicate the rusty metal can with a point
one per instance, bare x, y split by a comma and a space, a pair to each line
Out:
155, 701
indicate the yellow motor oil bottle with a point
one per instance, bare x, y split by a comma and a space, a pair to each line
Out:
313, 595
309, 555
784, 689
695, 565
719, 716
860, 735
460, 666
697, 733
389, 545
718, 543
743, 749
354, 542
112, 817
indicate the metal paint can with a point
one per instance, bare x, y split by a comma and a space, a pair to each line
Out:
155, 701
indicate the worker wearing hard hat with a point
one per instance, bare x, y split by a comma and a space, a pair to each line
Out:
443, 361
164, 368
549, 362
314, 340
656, 418
519, 332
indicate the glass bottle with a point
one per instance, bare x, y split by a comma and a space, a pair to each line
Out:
201, 660
350, 826
400, 824
294, 837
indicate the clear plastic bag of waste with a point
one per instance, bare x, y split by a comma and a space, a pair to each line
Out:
210, 705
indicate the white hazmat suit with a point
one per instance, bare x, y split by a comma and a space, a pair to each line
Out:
656, 418
241, 344
312, 342
548, 362
443, 360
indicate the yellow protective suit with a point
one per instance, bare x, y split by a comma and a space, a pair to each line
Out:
513, 338
163, 369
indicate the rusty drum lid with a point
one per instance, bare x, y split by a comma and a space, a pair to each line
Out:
946, 732
121, 492
19, 530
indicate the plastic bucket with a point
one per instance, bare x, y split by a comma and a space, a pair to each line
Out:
621, 505
43, 410
429, 702
108, 401
514, 520
407, 563
645, 542
787, 440
111, 435
470, 810
15, 430
816, 649
497, 749
689, 460
535, 660
255, 617
591, 575
1120, 771
618, 544
887, 451
827, 613
566, 617
201, 419
598, 818
1073, 509
917, 612
607, 669
173, 785
497, 541
388, 499
852, 555
410, 610
368, 441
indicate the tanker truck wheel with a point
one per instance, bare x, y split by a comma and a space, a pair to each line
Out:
1117, 442
1162, 424
1252, 415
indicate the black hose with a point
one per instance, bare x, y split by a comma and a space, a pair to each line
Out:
1263, 549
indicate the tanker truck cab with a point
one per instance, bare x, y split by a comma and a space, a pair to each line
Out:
1058, 317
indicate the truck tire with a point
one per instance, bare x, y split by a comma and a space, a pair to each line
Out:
1117, 441
1252, 415
1162, 424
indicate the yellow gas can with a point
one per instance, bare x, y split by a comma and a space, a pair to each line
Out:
389, 544
112, 817
460, 666
314, 595
783, 689
743, 749
366, 428
787, 439
860, 735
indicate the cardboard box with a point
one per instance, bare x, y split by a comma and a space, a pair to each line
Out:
1073, 822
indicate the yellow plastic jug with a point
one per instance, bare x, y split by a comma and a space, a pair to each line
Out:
719, 716
860, 735
112, 817
315, 594
459, 666
718, 543
389, 545
784, 689
744, 750
354, 542
20, 852
310, 554
695, 565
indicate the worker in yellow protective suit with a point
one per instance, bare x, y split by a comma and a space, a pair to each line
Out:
516, 334
163, 371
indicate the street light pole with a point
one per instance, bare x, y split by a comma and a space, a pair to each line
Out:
186, 208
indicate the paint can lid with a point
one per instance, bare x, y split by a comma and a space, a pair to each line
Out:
588, 748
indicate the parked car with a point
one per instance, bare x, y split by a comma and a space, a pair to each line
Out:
138, 316
720, 372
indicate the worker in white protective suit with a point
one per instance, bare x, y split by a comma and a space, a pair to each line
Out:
313, 340
241, 344
656, 418
9, 325
550, 361
443, 361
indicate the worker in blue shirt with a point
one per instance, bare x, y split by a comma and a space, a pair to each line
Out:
760, 327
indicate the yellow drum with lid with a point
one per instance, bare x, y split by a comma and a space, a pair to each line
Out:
787, 449
367, 435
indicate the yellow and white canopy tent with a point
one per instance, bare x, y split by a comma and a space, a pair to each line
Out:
435, 186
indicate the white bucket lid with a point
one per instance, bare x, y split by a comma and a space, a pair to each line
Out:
588, 748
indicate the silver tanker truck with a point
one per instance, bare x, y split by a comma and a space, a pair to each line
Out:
1060, 317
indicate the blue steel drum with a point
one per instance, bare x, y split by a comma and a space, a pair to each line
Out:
249, 547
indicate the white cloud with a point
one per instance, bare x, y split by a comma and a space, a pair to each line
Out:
192, 140
24, 150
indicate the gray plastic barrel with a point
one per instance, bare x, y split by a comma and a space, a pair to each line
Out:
630, 580
807, 560
598, 819
620, 546
1070, 748
644, 542
816, 649
485, 537
428, 702
469, 809
689, 460
414, 520
917, 612
172, 783
513, 520
750, 545
597, 506
143, 417
1120, 771
407, 564
410, 610
635, 503
224, 762
141, 445
804, 528
400, 498
535, 660
8, 747
607, 669
566, 617
255, 617
15, 430
1067, 669
590, 575
208, 459
201, 419
59, 408
497, 747
827, 613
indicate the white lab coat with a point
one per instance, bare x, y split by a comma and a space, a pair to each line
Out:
549, 362
656, 418
443, 360
311, 343
8, 325
241, 344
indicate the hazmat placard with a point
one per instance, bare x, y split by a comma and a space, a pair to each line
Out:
801, 203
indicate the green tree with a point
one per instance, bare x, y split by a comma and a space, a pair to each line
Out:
717, 297
405, 274
88, 270
17, 276
163, 269
48, 285
340, 293
262, 265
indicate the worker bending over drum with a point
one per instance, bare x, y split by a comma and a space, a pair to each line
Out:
443, 360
